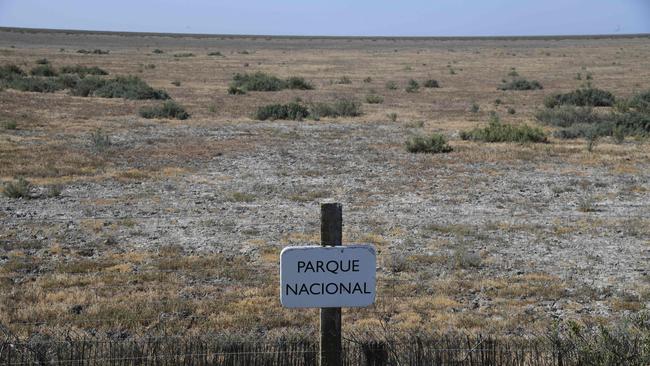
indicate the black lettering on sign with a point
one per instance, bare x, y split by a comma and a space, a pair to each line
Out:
331, 288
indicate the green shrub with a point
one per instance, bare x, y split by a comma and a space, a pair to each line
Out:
392, 116
69, 81
176, 83
474, 108
95, 52
432, 144
640, 102
634, 123
42, 61
374, 99
36, 84
10, 71
520, 84
296, 82
43, 70
581, 97
497, 101
215, 53
87, 86
511, 110
184, 54
233, 90
500, 132
258, 81
157, 51
19, 188
513, 72
291, 111
431, 83
367, 80
9, 125
129, 87
82, 71
566, 115
586, 130
339, 108
391, 85
412, 86
168, 109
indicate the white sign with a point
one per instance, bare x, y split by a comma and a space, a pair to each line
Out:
327, 277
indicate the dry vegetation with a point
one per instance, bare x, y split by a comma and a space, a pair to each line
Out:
144, 226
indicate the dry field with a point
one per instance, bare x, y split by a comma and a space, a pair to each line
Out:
177, 226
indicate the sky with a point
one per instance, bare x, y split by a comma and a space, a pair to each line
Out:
336, 17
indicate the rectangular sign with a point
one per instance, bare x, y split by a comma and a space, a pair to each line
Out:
327, 277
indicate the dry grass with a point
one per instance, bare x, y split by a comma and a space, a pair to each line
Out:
194, 292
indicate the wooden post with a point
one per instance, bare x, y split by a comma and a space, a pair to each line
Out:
331, 234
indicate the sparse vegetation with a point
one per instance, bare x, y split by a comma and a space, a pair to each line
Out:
183, 54
501, 132
474, 107
96, 51
339, 108
581, 97
374, 99
392, 116
431, 144
215, 53
82, 71
260, 81
127, 87
19, 188
168, 109
291, 111
43, 70
157, 51
431, 83
391, 85
520, 84
412, 86
9, 125
100, 141
176, 83
344, 80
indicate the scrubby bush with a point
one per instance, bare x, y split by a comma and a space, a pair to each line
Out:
233, 90
339, 108
10, 71
374, 99
581, 97
42, 61
344, 80
258, 81
520, 84
157, 51
36, 84
9, 125
100, 141
500, 132
176, 83
215, 53
431, 144
511, 110
640, 102
291, 111
184, 54
43, 70
129, 87
566, 115
296, 82
69, 81
82, 71
412, 86
474, 107
87, 86
391, 85
96, 51
168, 109
431, 83
19, 188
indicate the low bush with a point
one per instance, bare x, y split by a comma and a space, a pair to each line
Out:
500, 132
36, 84
391, 85
9, 125
296, 82
168, 109
82, 71
374, 99
129, 87
43, 70
184, 54
176, 83
640, 102
100, 141
520, 84
431, 83
432, 144
19, 188
566, 115
215, 53
581, 97
258, 81
344, 80
95, 52
511, 110
339, 108
291, 111
87, 86
233, 90
10, 71
42, 61
157, 51
69, 81
412, 86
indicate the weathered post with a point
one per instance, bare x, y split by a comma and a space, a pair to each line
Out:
331, 234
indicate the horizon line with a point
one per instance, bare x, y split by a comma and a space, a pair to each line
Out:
234, 35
